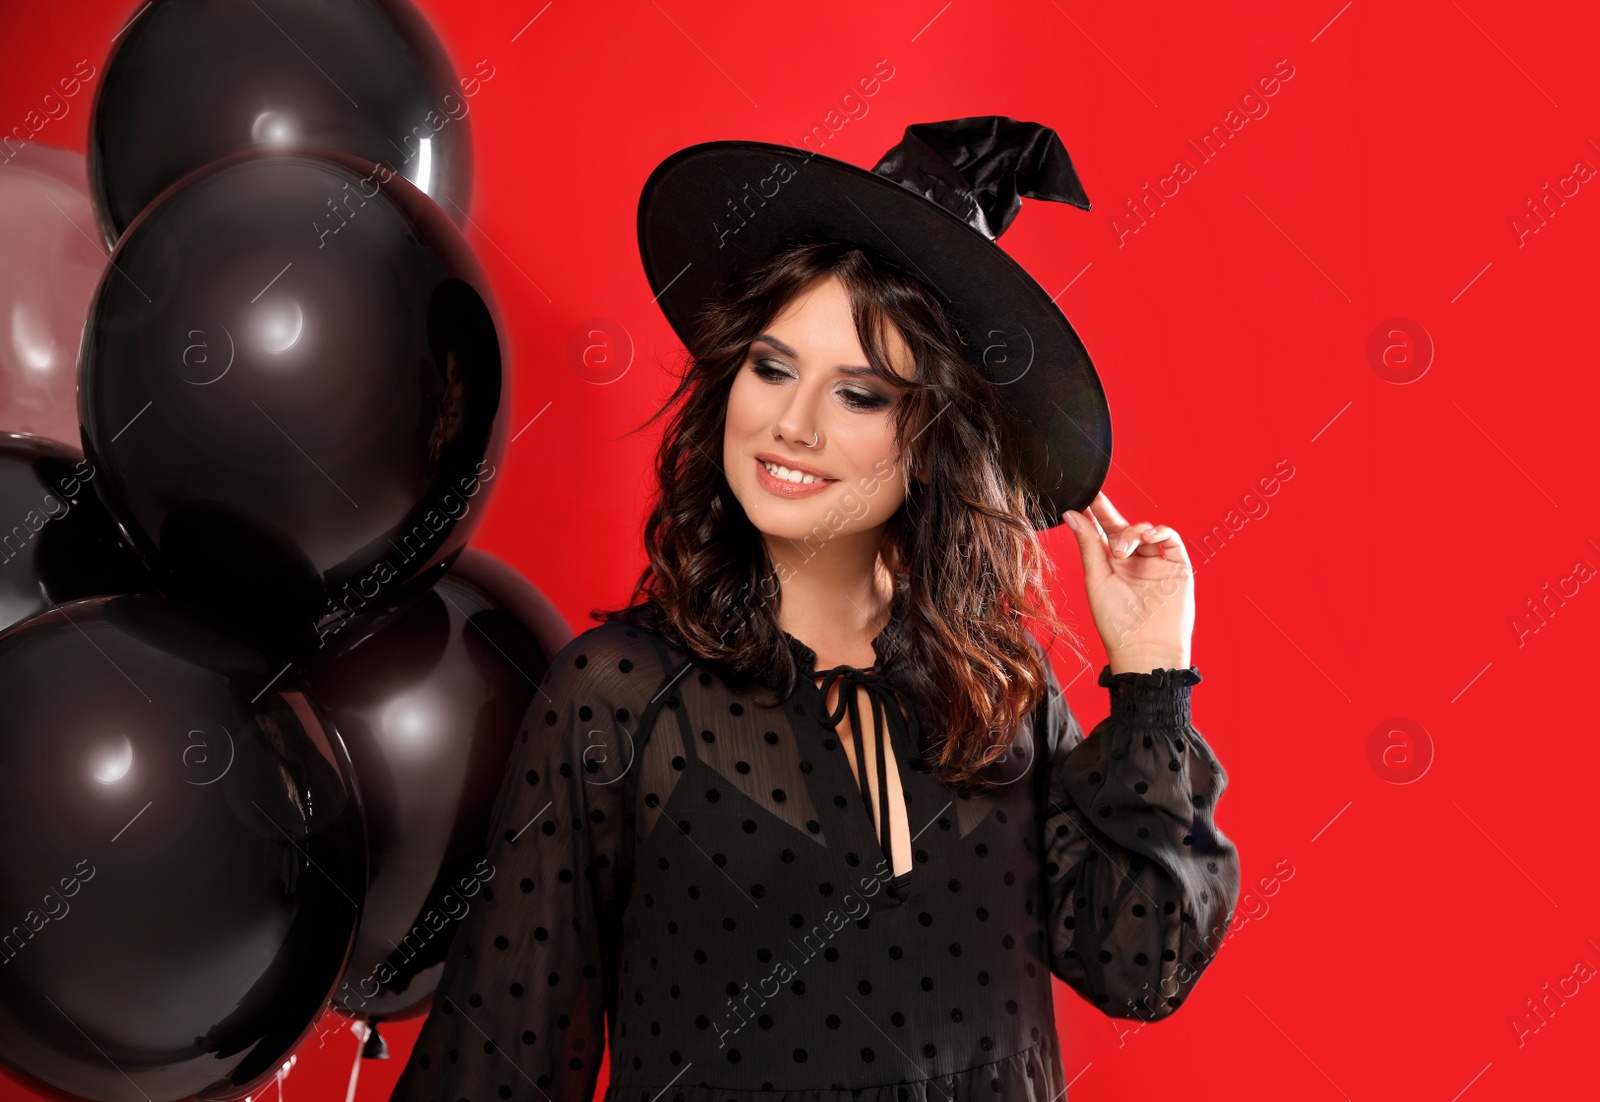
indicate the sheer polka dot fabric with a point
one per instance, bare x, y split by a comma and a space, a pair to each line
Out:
703, 871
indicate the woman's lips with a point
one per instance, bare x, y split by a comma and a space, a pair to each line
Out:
784, 488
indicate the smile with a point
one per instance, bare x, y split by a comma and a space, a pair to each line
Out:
785, 482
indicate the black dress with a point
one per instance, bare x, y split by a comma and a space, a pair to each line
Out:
706, 873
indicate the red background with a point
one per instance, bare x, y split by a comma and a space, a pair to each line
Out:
1380, 582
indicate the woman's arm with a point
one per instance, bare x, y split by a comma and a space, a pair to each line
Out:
521, 1005
1140, 883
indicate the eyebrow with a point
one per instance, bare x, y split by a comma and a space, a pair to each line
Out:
792, 354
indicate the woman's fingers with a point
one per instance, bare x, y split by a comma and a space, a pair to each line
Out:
1160, 541
1101, 524
1099, 531
1135, 538
1091, 544
1106, 513
1152, 540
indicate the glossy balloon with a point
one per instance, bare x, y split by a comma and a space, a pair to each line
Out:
182, 860
293, 428
50, 261
191, 81
429, 701
57, 542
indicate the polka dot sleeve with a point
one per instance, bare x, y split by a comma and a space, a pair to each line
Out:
521, 1006
1141, 883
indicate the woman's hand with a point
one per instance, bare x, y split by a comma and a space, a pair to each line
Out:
1141, 588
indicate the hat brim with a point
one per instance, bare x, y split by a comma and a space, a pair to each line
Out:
711, 210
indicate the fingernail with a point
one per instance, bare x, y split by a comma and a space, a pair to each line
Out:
1072, 521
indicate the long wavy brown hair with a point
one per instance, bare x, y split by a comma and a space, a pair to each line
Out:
963, 549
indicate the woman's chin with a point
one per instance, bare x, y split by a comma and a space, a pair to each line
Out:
794, 523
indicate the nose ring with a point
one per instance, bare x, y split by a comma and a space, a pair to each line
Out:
814, 438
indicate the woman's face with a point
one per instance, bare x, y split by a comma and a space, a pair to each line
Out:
803, 379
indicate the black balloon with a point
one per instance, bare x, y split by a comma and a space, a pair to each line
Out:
429, 701
57, 542
191, 81
182, 859
293, 428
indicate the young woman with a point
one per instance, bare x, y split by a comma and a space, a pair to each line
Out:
812, 814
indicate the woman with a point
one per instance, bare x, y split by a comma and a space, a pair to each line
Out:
812, 815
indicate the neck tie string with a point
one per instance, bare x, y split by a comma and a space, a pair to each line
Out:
892, 716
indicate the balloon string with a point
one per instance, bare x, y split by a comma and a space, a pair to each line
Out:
362, 1032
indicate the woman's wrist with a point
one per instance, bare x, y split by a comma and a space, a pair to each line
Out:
1147, 660
1154, 697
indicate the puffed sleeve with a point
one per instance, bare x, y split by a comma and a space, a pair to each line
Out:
1140, 883
521, 1005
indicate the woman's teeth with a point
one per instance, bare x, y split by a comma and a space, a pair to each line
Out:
791, 476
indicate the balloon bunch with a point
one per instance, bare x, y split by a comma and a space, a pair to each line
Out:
258, 692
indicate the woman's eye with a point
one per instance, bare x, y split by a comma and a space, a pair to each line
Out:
773, 371
864, 400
